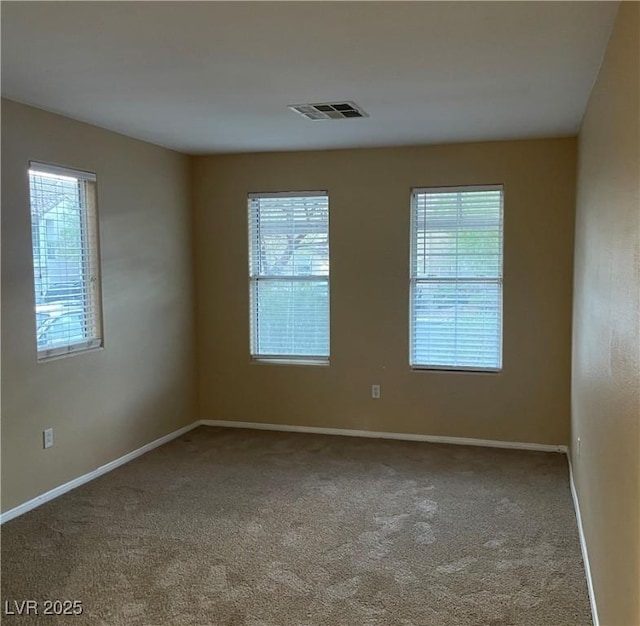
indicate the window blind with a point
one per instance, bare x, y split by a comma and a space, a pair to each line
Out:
456, 278
65, 260
289, 275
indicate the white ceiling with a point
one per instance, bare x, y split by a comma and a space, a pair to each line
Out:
210, 77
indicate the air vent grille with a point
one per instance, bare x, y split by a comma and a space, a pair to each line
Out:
329, 111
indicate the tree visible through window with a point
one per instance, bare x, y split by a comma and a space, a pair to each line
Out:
456, 278
289, 275
65, 259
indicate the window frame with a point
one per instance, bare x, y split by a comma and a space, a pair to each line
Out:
414, 280
90, 237
282, 359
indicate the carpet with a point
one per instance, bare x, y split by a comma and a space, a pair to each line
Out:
227, 527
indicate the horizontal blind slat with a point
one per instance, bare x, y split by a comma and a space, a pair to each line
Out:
289, 274
456, 277
66, 271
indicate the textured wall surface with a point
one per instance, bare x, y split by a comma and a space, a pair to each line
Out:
369, 193
105, 403
606, 364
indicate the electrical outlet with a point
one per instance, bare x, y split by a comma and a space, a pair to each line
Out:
375, 391
578, 448
47, 438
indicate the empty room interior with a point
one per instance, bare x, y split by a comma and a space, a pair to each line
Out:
320, 313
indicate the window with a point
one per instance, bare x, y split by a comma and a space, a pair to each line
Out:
289, 275
456, 278
65, 260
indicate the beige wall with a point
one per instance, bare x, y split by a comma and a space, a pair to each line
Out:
369, 222
106, 403
606, 366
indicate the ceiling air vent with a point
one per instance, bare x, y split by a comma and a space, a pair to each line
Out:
328, 111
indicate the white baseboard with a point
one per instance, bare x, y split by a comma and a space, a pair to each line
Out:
461, 441
583, 546
103, 469
85, 478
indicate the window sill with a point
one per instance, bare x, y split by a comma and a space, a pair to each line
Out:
458, 370
289, 361
43, 357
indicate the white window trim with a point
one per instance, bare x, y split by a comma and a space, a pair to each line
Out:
91, 221
62, 351
288, 359
412, 280
58, 170
256, 195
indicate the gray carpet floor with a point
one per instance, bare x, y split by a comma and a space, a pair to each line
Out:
226, 527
